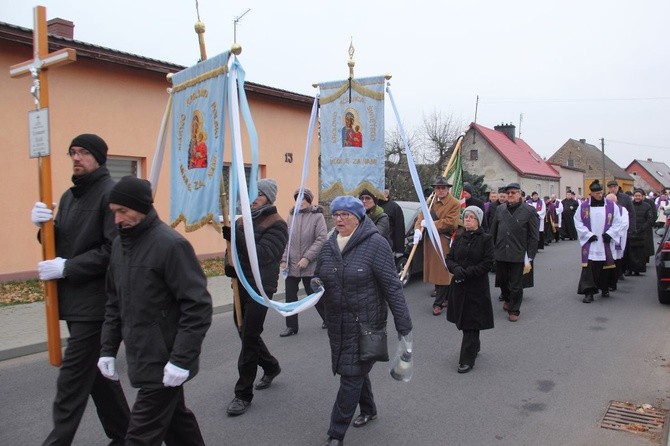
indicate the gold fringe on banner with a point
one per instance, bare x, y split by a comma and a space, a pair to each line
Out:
201, 78
359, 88
207, 219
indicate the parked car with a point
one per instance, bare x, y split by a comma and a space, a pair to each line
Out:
662, 259
410, 210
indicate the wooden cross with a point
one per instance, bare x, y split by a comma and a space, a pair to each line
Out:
37, 68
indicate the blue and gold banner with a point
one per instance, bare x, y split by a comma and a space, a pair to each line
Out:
352, 136
198, 99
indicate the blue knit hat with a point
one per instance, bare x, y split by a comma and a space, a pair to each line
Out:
349, 204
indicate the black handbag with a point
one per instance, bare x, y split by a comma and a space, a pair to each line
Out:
373, 343
372, 340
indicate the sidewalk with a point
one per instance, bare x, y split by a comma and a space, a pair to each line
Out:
24, 326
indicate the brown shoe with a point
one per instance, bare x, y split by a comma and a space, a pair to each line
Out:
437, 311
513, 317
506, 306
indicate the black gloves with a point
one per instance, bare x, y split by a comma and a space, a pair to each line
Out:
230, 271
607, 238
226, 232
593, 238
433, 215
316, 284
459, 273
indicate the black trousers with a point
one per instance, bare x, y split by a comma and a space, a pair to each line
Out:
254, 352
354, 391
292, 296
469, 347
510, 277
160, 415
441, 296
78, 378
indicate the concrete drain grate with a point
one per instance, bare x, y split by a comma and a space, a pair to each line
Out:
638, 419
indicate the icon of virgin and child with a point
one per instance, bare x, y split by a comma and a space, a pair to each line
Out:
197, 147
351, 132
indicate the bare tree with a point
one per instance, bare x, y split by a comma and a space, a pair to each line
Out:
398, 179
440, 131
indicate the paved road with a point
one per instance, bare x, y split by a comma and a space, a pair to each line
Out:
545, 380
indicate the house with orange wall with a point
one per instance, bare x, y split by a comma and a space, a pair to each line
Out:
121, 97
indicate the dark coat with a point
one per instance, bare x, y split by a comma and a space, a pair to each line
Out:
84, 230
644, 216
470, 260
158, 302
381, 221
397, 223
271, 235
515, 234
361, 280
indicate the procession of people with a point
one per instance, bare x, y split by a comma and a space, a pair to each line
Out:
354, 266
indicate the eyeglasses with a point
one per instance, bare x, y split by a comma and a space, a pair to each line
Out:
441, 187
513, 192
81, 153
342, 215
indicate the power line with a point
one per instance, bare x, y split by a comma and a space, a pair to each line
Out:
638, 145
545, 100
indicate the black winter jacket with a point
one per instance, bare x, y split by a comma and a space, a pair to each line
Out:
271, 235
470, 260
515, 234
158, 302
361, 280
84, 230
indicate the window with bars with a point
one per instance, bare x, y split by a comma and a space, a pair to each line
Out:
121, 166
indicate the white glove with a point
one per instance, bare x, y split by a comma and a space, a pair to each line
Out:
51, 269
424, 224
174, 376
107, 366
417, 236
40, 214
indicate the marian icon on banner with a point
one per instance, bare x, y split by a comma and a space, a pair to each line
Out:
198, 126
351, 119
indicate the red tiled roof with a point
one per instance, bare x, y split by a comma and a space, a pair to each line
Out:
517, 153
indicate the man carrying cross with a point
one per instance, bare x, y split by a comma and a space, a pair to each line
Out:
84, 228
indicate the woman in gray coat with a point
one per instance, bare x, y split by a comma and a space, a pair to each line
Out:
308, 234
357, 270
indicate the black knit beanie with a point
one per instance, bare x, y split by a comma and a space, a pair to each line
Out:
133, 193
94, 144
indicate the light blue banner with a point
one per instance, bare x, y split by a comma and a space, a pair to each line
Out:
198, 106
352, 136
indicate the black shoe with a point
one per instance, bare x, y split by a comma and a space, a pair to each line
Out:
605, 294
290, 331
237, 407
464, 368
266, 380
588, 299
364, 419
628, 273
333, 442
324, 325
501, 298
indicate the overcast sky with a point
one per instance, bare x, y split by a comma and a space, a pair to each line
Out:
574, 69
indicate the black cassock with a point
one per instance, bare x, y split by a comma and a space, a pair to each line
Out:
568, 229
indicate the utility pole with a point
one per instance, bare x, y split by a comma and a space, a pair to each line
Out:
602, 144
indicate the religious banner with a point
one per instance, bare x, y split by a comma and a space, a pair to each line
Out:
351, 123
198, 103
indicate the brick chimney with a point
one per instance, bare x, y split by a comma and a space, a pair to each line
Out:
61, 28
583, 141
507, 129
